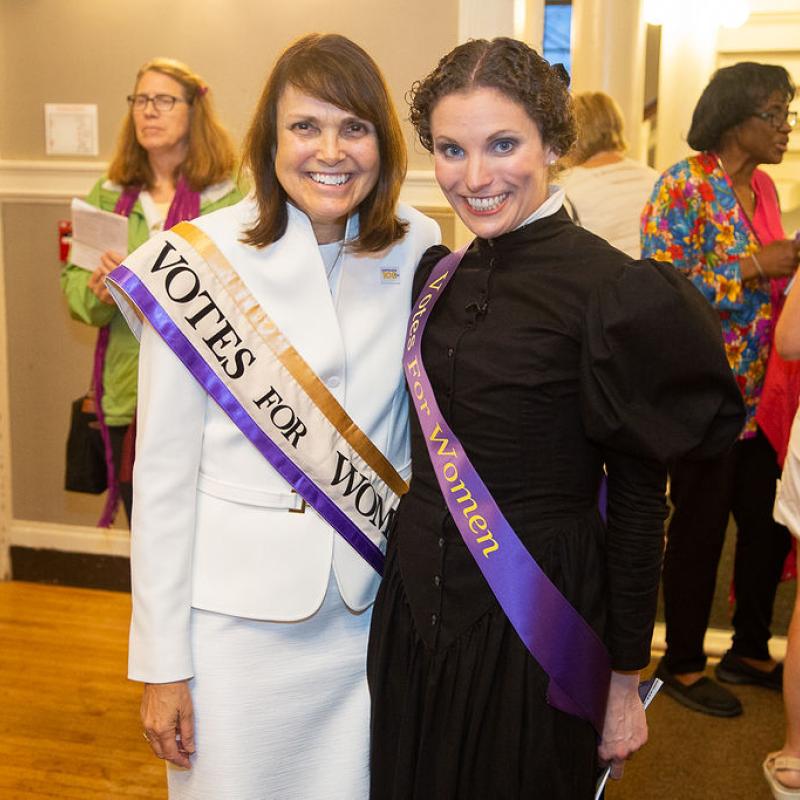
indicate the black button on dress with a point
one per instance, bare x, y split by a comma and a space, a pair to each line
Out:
551, 354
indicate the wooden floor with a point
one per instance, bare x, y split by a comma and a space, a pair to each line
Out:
69, 724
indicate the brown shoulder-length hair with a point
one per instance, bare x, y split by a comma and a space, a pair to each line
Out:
211, 156
600, 126
335, 70
514, 69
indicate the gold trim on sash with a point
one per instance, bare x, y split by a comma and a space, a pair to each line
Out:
290, 358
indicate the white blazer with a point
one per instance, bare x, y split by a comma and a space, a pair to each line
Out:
211, 528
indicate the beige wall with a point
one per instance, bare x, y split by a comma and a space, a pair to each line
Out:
772, 38
690, 52
88, 51
49, 364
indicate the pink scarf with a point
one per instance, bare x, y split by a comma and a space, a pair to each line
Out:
779, 398
185, 205
778, 402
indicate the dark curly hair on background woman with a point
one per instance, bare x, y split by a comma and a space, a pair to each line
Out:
514, 69
732, 95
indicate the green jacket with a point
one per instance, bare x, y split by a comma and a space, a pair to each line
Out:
121, 366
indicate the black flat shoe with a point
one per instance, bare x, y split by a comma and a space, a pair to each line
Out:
704, 695
733, 670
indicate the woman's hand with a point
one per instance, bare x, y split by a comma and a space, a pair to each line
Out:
168, 721
779, 258
625, 727
109, 261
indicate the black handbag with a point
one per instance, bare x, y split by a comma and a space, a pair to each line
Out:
86, 459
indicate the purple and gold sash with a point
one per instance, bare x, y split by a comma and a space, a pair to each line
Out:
196, 301
555, 634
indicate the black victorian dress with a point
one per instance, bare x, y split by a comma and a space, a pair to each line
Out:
551, 354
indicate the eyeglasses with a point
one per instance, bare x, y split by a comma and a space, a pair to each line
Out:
161, 102
777, 120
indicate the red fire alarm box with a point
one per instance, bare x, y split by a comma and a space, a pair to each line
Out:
64, 238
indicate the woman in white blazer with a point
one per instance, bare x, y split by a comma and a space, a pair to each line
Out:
250, 613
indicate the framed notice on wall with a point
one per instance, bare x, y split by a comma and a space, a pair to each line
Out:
70, 129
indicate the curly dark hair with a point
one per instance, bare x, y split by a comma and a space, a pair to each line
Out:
732, 95
514, 69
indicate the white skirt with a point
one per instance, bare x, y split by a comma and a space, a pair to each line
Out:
281, 708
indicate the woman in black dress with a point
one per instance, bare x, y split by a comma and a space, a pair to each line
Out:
550, 355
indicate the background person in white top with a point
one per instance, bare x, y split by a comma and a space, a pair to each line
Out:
606, 190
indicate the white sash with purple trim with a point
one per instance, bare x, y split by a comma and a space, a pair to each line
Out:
555, 634
196, 301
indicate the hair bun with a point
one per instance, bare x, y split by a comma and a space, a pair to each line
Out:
561, 72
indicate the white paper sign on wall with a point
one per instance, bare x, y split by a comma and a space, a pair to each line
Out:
70, 129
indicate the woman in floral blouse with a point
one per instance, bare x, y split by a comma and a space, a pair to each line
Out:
716, 217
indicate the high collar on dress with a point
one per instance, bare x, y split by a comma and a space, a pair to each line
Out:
555, 199
543, 223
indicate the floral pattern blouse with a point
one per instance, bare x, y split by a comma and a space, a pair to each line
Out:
694, 220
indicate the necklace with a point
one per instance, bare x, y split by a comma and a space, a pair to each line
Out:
739, 202
751, 196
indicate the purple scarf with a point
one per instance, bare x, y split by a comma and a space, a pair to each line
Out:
185, 206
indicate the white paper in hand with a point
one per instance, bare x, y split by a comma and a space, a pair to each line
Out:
95, 231
647, 691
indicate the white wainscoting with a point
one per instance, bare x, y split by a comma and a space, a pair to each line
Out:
48, 181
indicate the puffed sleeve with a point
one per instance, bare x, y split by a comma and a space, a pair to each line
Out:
655, 381
655, 385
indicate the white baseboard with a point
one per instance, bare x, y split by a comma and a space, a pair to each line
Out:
70, 538
717, 642
116, 542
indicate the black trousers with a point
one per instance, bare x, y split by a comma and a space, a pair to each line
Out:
703, 494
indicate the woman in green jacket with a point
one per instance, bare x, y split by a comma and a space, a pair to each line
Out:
173, 162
